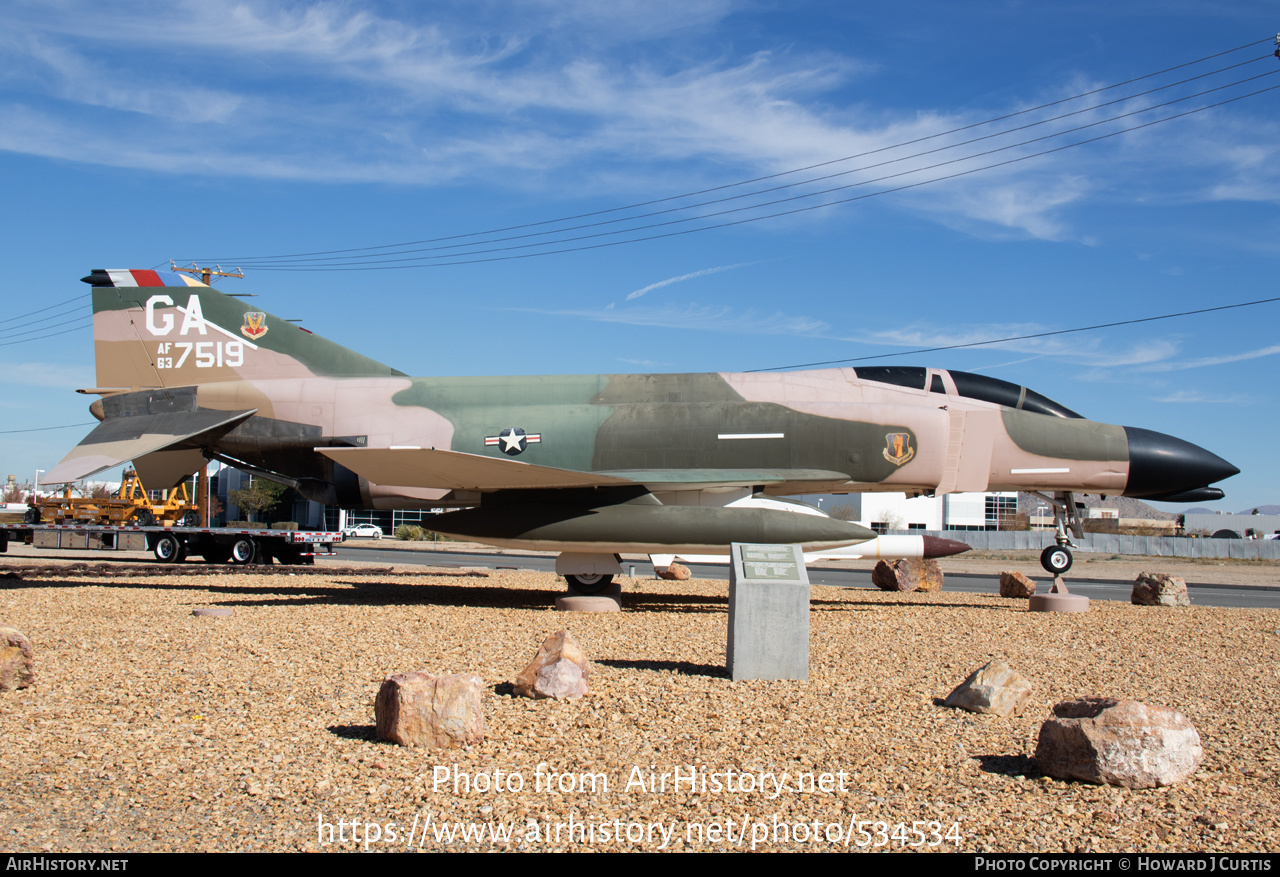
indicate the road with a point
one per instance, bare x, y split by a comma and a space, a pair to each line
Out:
1202, 593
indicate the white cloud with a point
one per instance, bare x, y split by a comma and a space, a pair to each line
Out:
1215, 360
1198, 396
703, 318
1084, 349
529, 94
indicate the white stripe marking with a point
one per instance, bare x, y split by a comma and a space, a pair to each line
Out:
750, 435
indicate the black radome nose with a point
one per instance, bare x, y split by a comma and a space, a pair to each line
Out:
1161, 465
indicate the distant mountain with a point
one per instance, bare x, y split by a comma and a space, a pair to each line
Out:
1262, 510
1127, 506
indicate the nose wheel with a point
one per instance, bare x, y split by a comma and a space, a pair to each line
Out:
1056, 559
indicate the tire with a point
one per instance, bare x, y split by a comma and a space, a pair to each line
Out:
589, 584
31, 516
1056, 559
191, 519
143, 518
244, 551
169, 549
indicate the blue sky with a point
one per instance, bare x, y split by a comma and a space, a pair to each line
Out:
138, 132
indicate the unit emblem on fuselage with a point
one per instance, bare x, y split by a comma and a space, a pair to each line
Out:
255, 325
898, 448
513, 440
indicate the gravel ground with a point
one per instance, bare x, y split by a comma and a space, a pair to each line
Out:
150, 729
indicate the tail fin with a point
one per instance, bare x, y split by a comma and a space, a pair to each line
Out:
154, 329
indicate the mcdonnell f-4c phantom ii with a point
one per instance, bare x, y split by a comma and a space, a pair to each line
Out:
587, 465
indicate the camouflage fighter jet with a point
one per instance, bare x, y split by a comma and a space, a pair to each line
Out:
587, 465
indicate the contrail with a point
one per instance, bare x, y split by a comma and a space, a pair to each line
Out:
689, 276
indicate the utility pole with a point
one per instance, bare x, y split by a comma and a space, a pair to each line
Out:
207, 274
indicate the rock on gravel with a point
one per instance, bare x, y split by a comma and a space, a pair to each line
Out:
994, 688
1158, 589
419, 709
908, 574
559, 670
676, 572
17, 659
1121, 742
1016, 585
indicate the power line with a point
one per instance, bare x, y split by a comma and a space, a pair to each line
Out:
82, 295
75, 328
398, 250
44, 428
35, 325
423, 262
1245, 304
372, 258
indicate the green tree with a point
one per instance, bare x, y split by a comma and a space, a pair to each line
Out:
259, 497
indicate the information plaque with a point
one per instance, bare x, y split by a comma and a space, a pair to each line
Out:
768, 612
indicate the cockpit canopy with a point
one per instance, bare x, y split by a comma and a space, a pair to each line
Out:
967, 384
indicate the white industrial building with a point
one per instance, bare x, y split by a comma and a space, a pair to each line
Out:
883, 512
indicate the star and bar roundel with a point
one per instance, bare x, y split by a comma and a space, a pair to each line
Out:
513, 440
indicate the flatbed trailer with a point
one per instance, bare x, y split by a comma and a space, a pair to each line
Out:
173, 544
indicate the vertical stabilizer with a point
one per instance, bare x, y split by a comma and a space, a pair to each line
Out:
156, 329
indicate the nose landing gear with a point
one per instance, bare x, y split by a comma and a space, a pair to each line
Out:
1057, 559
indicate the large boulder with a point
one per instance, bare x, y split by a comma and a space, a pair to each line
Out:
908, 574
437, 712
1015, 584
1158, 589
1118, 742
559, 670
675, 571
17, 659
994, 688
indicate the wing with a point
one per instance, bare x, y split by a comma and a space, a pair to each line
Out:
120, 439
455, 470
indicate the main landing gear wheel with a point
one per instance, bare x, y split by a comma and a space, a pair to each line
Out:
244, 550
1056, 559
589, 584
169, 549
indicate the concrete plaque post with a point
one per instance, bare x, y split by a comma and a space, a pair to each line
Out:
768, 613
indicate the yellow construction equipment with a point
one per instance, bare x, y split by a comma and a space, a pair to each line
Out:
131, 506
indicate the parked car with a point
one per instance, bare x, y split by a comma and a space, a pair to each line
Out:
363, 530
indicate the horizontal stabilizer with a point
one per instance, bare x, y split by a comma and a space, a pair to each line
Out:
454, 470
118, 440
